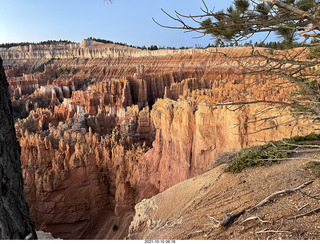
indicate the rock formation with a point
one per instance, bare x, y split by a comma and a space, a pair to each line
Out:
190, 136
79, 168
102, 127
15, 222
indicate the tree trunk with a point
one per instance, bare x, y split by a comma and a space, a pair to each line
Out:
15, 222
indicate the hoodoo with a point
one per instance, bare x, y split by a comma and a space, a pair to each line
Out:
102, 126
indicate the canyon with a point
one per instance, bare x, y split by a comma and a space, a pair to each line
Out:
102, 127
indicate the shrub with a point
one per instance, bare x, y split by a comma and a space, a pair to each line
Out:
269, 153
314, 167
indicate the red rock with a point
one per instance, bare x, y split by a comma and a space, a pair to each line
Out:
88, 152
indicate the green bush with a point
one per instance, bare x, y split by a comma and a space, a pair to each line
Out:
314, 167
269, 153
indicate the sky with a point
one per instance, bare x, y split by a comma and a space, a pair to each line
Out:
127, 21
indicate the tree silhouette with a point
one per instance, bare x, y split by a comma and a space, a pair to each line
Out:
15, 222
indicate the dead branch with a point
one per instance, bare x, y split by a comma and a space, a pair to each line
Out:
256, 217
305, 214
274, 195
216, 223
297, 145
227, 220
308, 195
230, 218
272, 231
303, 207
296, 11
284, 159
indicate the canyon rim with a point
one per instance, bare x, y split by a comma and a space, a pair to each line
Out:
102, 127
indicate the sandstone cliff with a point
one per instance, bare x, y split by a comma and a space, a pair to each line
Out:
190, 136
106, 126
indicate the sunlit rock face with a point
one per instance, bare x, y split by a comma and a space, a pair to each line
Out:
102, 126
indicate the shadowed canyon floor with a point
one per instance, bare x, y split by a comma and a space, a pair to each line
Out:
102, 127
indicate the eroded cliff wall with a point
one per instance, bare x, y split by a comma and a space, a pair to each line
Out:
103, 127
190, 136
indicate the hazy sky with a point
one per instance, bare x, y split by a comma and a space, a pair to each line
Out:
128, 21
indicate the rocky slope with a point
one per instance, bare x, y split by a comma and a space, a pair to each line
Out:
102, 127
195, 208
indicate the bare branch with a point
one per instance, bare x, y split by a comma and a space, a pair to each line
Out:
256, 217
305, 214
296, 11
274, 195
271, 231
